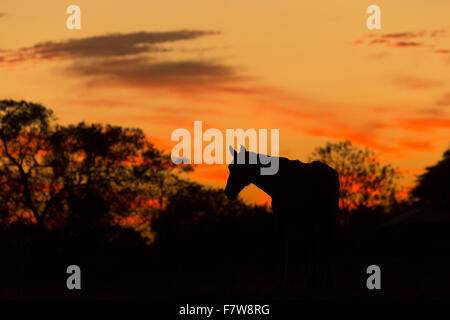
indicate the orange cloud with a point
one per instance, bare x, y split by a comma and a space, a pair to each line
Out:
342, 132
424, 124
409, 39
442, 51
416, 124
444, 100
404, 35
403, 44
415, 83
421, 146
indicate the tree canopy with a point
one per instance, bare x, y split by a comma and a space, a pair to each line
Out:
364, 181
83, 176
433, 187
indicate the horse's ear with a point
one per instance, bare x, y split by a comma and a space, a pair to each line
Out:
232, 151
242, 149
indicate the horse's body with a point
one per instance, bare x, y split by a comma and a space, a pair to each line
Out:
305, 199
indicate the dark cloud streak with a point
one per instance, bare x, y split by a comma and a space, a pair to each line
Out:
403, 44
408, 39
403, 35
110, 45
142, 72
127, 60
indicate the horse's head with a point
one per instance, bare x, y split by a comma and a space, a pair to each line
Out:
241, 172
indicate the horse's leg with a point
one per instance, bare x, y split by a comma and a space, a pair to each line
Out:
325, 238
286, 253
303, 252
311, 256
315, 258
323, 254
306, 255
283, 257
330, 255
329, 281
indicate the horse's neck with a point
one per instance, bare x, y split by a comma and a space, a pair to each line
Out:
267, 183
274, 185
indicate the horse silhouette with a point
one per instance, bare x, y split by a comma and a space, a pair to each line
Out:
305, 200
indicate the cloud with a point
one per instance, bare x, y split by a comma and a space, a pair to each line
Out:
444, 100
416, 145
441, 33
415, 83
442, 51
374, 41
432, 111
409, 39
404, 35
104, 46
129, 60
140, 72
403, 44
398, 44
426, 123
408, 35
377, 140
423, 124
357, 136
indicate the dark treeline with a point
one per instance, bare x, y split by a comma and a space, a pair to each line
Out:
104, 198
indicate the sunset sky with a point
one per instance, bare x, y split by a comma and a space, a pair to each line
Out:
310, 69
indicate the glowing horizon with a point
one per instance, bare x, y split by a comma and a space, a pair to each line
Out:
313, 71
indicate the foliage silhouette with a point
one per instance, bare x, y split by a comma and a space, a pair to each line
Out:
24, 128
72, 192
80, 178
433, 188
200, 226
366, 184
97, 195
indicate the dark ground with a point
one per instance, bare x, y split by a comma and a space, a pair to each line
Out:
408, 271
401, 279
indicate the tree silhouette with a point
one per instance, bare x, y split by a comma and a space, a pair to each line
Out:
91, 173
190, 204
365, 182
433, 187
201, 226
24, 129
80, 177
159, 176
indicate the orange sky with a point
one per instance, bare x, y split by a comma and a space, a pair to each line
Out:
312, 70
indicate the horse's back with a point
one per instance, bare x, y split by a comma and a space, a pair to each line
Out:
310, 191
314, 179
